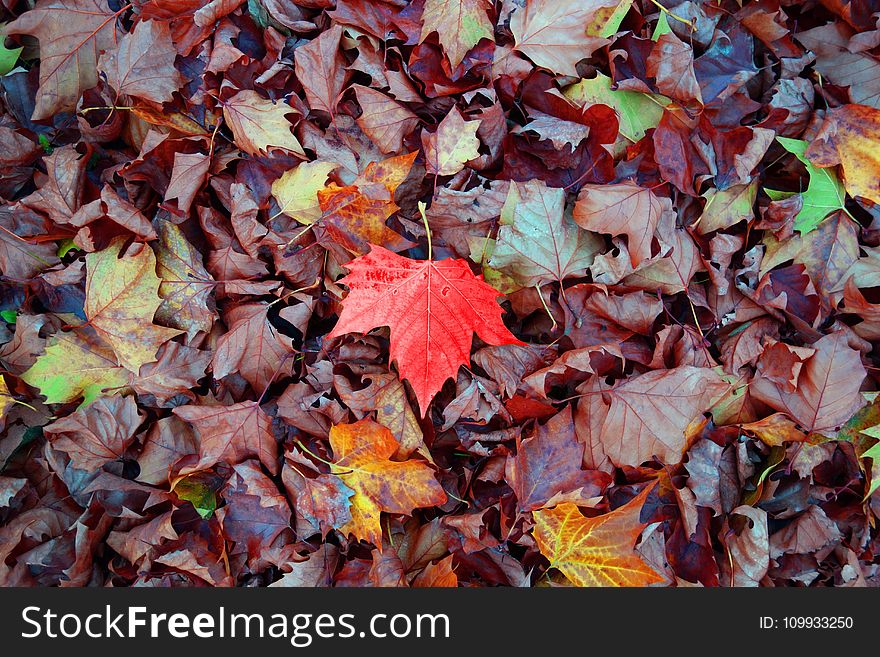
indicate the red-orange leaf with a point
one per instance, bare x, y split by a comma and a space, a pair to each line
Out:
432, 307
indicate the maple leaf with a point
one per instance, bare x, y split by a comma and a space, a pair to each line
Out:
432, 308
549, 463
355, 214
321, 503
321, 69
437, 575
232, 434
296, 191
259, 125
824, 193
256, 516
8, 56
361, 453
252, 346
622, 209
649, 413
75, 365
855, 68
121, 300
671, 62
188, 175
827, 391
186, 285
383, 119
61, 195
72, 34
827, 253
536, 242
97, 434
637, 112
552, 33
143, 63
454, 143
595, 551
459, 24
176, 370
850, 137
387, 395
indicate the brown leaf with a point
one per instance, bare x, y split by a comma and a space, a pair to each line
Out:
142, 65
827, 393
232, 434
97, 434
384, 120
549, 463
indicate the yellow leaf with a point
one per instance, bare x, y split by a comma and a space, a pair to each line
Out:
259, 125
121, 299
595, 551
850, 137
459, 24
296, 191
75, 364
454, 143
362, 451
5, 399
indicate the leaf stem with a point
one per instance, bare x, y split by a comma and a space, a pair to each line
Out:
422, 207
676, 17
549, 314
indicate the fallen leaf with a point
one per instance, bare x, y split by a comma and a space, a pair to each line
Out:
72, 34
232, 434
850, 137
361, 454
454, 143
384, 286
459, 24
259, 125
143, 63
121, 301
595, 551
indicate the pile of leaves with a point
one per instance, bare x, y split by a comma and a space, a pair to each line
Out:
439, 293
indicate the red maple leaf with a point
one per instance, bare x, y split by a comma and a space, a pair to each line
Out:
433, 308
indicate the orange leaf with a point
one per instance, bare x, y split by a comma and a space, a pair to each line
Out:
362, 451
355, 215
595, 551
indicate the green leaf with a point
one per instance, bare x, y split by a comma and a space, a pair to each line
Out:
45, 144
481, 251
637, 112
661, 28
75, 365
538, 242
8, 56
65, 247
874, 455
824, 194
8, 316
198, 491
861, 428
613, 23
